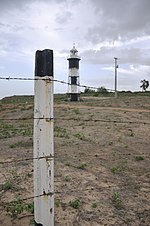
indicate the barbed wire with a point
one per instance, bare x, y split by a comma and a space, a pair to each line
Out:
59, 192
24, 119
66, 119
25, 199
51, 80
49, 158
28, 159
76, 119
105, 121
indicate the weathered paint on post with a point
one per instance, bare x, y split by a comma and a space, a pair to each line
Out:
43, 140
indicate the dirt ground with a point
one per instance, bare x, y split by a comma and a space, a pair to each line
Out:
102, 167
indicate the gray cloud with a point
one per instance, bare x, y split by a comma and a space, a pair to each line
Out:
64, 51
119, 19
63, 17
125, 55
114, 19
11, 27
11, 4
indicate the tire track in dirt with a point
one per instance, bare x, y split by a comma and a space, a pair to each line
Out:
102, 108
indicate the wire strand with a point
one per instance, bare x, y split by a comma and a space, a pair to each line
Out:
76, 119
59, 192
52, 80
24, 119
28, 159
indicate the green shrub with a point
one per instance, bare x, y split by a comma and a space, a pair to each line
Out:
75, 203
7, 185
94, 205
116, 199
139, 158
82, 166
16, 207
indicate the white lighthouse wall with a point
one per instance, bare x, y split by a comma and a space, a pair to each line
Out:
73, 72
74, 89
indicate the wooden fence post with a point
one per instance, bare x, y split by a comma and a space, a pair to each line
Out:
43, 140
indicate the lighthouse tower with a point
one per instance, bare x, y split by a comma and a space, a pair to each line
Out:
73, 77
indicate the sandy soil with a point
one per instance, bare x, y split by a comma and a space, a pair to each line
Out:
102, 167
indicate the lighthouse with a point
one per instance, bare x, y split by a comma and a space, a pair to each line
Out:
73, 77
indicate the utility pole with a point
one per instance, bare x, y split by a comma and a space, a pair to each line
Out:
116, 67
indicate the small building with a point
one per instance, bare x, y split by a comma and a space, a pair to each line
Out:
73, 77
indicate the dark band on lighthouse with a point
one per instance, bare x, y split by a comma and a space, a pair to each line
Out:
74, 63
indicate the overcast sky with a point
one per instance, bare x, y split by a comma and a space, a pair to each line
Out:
100, 29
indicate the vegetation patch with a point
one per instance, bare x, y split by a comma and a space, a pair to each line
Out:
7, 185
57, 202
28, 143
60, 132
94, 205
75, 203
16, 207
116, 199
120, 167
76, 111
7, 130
80, 136
82, 166
67, 178
17, 99
139, 158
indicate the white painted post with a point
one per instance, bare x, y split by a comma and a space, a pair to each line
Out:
43, 140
